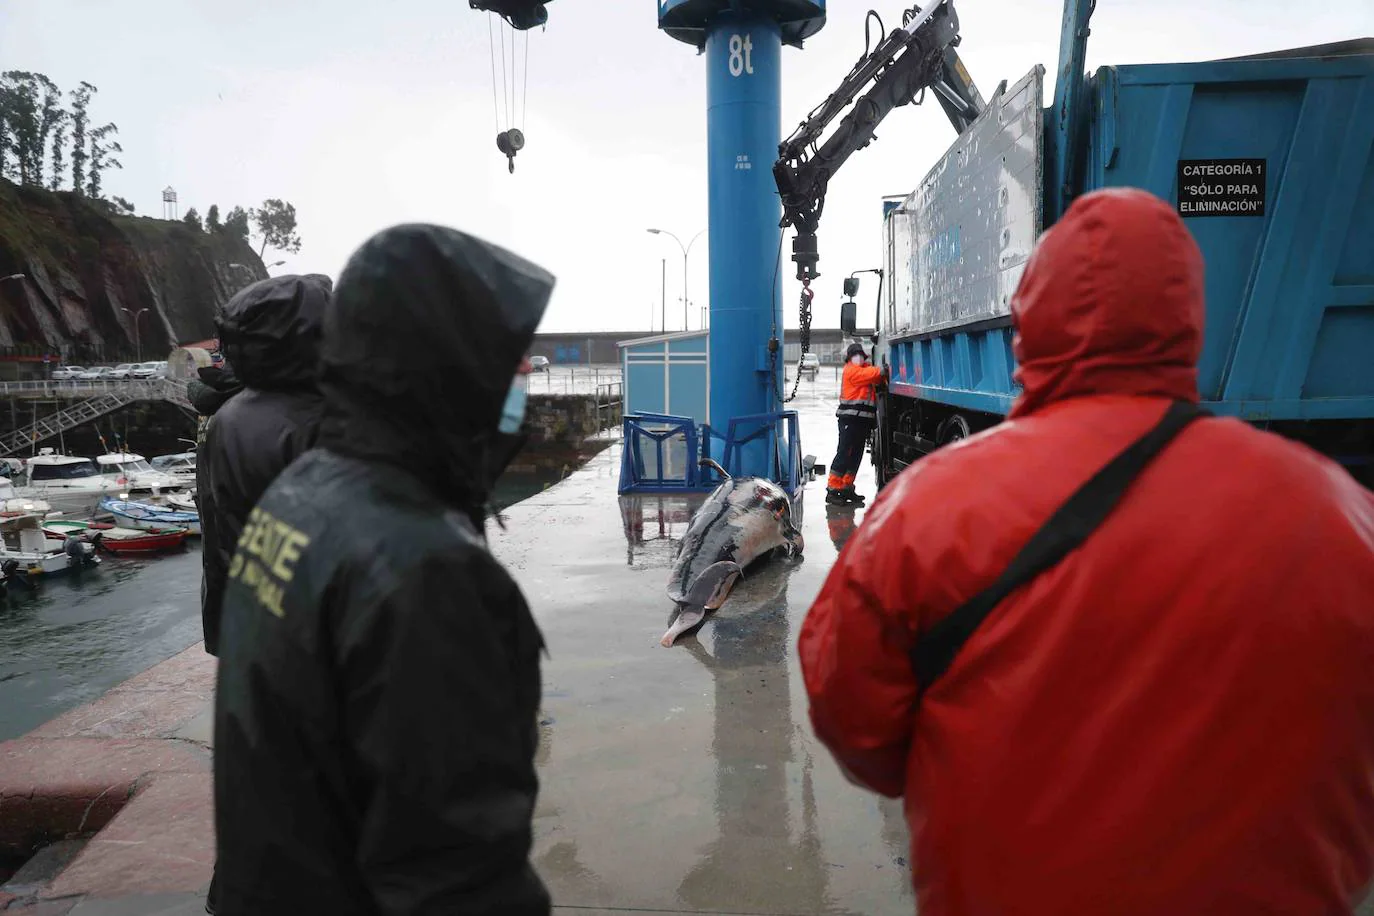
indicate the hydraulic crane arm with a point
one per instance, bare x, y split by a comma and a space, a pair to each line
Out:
917, 56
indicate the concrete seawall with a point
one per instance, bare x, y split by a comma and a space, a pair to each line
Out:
131, 772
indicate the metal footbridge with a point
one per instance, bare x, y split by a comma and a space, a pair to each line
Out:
93, 400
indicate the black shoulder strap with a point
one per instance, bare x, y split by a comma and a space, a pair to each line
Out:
1065, 530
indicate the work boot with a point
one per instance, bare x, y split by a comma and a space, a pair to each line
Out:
851, 496
836, 497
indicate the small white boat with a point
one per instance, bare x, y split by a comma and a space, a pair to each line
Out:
11, 503
48, 472
25, 543
180, 467
183, 502
136, 472
148, 517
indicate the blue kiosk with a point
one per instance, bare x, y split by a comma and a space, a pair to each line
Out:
747, 431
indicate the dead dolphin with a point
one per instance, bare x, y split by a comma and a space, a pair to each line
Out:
743, 519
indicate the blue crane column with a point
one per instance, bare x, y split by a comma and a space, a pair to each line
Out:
743, 53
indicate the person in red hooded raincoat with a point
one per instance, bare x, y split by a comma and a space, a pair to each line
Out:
1176, 718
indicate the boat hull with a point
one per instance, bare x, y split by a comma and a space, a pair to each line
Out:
150, 518
119, 540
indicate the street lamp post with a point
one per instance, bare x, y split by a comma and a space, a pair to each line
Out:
686, 250
138, 340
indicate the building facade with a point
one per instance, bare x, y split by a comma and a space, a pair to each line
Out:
601, 347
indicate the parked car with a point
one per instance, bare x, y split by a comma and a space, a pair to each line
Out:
539, 364
810, 364
67, 373
147, 370
122, 370
98, 373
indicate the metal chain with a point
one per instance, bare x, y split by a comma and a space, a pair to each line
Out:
806, 296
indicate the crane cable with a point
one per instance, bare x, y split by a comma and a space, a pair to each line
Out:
514, 90
495, 104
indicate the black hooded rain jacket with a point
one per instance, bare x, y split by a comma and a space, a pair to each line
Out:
270, 335
375, 725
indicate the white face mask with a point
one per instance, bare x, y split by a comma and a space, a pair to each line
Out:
856, 360
513, 412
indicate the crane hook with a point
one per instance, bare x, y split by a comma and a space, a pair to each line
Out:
510, 142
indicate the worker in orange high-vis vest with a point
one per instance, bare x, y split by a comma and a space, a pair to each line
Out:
857, 413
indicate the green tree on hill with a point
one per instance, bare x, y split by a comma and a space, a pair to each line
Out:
81, 100
19, 106
40, 141
34, 142
59, 145
101, 148
50, 114
236, 223
192, 218
276, 222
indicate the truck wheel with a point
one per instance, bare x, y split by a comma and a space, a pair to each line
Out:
954, 429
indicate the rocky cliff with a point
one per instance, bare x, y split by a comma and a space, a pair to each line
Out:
87, 275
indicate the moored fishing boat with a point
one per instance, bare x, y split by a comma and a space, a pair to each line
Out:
115, 539
148, 517
182, 502
24, 541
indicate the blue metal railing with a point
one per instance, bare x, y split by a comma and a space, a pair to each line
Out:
658, 454
661, 452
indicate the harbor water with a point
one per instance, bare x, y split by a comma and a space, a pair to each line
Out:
79, 635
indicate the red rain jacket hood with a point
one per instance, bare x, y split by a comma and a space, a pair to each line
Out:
1179, 716
1110, 303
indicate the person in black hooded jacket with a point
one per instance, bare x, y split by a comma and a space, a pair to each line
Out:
265, 410
375, 719
212, 389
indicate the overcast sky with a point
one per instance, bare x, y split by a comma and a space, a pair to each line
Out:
366, 114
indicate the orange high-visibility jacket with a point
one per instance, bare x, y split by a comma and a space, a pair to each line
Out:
857, 400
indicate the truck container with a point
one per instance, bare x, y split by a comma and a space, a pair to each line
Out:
1268, 159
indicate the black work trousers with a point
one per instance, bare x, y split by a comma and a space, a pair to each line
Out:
854, 434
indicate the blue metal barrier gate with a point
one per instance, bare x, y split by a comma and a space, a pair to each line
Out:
662, 453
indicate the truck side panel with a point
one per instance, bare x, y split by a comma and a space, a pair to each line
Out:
960, 241
1290, 283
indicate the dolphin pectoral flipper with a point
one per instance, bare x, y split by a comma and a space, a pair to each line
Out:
709, 589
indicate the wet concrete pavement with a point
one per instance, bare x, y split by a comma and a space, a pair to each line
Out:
681, 780
687, 779
673, 781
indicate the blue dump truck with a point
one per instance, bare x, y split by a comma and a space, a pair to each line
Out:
1269, 159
